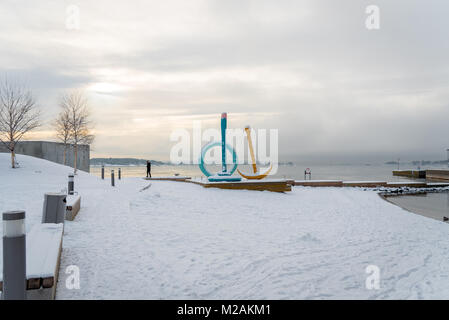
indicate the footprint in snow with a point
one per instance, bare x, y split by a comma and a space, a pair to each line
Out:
308, 237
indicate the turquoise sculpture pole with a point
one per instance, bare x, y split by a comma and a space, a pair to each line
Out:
224, 175
224, 118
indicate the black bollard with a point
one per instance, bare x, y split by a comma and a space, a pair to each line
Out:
71, 187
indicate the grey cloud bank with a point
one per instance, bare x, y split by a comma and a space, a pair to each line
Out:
334, 89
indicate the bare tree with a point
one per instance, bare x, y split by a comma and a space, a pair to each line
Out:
18, 115
78, 119
63, 129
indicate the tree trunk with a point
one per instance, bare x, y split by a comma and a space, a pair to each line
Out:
65, 155
13, 156
76, 157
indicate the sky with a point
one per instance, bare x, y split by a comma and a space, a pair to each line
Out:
335, 90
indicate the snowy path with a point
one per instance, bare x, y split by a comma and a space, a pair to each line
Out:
170, 244
177, 240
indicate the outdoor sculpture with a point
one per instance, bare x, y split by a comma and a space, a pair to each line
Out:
256, 175
226, 175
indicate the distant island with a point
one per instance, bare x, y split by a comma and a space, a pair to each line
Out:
142, 162
420, 162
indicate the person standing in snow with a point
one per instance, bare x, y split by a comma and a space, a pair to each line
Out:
148, 168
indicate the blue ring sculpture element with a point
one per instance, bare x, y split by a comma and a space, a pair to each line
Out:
210, 146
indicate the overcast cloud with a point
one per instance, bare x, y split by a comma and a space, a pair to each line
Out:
334, 89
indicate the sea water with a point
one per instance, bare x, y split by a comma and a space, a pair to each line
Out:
432, 205
347, 172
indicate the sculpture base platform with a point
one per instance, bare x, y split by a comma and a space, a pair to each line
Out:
266, 185
223, 177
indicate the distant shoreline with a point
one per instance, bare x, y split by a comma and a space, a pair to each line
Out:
135, 162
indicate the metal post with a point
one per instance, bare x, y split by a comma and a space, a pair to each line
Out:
112, 178
71, 184
307, 172
224, 120
102, 172
119, 173
54, 208
399, 160
14, 256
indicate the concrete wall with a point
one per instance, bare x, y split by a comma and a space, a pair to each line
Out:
53, 151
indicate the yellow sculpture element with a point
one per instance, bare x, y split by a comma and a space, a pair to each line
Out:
255, 175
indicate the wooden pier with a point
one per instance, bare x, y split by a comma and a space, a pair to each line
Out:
318, 183
340, 183
430, 175
416, 174
364, 184
264, 185
437, 175
368, 184
267, 185
286, 185
407, 185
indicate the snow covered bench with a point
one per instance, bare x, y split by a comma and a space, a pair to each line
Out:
43, 252
72, 207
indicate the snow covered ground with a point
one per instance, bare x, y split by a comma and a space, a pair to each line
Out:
176, 240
